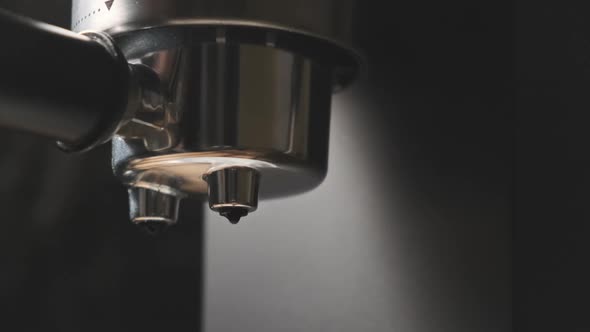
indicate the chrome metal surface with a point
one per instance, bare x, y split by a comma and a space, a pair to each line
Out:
153, 208
233, 191
234, 105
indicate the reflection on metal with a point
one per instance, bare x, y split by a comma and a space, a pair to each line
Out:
238, 105
231, 94
152, 119
222, 106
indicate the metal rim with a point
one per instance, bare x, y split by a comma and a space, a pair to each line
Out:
348, 62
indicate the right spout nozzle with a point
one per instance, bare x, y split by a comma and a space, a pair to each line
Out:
233, 192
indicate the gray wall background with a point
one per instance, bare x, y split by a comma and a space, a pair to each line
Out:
410, 232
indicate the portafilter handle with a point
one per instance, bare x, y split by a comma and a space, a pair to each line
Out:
74, 88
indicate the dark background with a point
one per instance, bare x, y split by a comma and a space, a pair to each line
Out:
552, 188
412, 230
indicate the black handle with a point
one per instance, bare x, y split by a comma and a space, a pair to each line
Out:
62, 85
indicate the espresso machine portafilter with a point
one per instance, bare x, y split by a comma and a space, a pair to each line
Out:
228, 100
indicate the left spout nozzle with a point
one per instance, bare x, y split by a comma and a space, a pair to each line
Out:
153, 210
